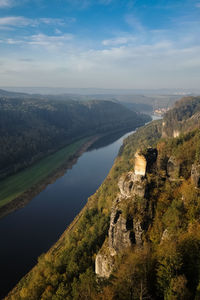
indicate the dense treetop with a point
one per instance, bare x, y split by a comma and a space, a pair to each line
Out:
31, 128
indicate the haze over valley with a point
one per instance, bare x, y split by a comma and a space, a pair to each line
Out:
99, 150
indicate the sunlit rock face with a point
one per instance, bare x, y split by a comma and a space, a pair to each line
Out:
127, 228
140, 164
176, 133
104, 265
125, 184
131, 185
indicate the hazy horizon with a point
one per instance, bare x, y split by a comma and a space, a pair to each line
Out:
102, 44
99, 91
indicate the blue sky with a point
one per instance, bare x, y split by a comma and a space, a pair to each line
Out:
100, 44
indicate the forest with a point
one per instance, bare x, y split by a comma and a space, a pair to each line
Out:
32, 128
166, 265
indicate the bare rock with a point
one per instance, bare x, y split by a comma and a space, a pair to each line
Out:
195, 175
125, 185
131, 185
176, 133
140, 164
119, 231
138, 233
104, 264
173, 168
165, 235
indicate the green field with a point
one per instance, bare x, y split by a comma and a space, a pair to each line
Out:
15, 185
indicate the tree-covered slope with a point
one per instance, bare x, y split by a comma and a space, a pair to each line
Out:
68, 267
33, 128
183, 117
141, 228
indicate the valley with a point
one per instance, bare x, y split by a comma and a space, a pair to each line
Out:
143, 220
33, 229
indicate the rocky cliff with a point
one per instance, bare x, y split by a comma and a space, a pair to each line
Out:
133, 210
130, 213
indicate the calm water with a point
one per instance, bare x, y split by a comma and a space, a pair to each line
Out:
30, 231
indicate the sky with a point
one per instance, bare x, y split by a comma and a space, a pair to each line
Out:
125, 44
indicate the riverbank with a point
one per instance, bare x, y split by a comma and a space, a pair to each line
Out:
28, 183
62, 248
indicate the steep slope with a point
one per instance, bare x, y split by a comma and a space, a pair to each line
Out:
153, 244
56, 276
184, 117
140, 231
31, 129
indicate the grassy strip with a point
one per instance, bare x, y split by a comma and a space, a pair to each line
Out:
15, 185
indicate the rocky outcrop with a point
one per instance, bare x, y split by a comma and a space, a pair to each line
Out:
173, 168
125, 185
140, 164
176, 133
126, 229
195, 175
104, 262
119, 232
138, 230
131, 185
165, 235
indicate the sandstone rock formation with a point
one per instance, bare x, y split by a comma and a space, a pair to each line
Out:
104, 262
126, 228
119, 234
176, 133
140, 164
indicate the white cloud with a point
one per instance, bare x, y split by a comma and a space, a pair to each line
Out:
6, 3
41, 41
142, 59
11, 3
14, 21
20, 21
56, 21
49, 41
133, 22
83, 4
119, 41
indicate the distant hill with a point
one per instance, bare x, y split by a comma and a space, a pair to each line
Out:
144, 101
10, 94
184, 116
31, 128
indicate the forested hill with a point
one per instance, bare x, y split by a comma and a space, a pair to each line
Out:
183, 117
32, 128
140, 232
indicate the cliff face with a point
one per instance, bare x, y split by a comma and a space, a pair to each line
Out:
133, 210
195, 175
127, 228
182, 118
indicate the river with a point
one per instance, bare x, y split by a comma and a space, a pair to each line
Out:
30, 231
